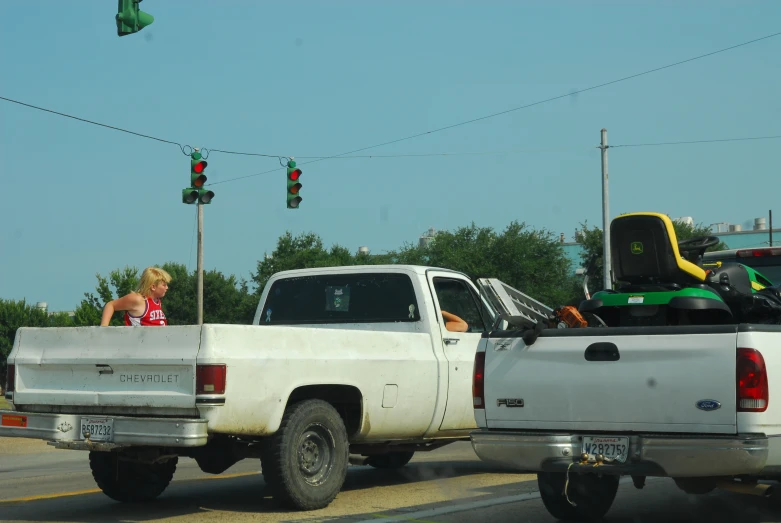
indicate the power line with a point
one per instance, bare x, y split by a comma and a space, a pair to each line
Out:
698, 141
346, 154
418, 135
512, 151
92, 122
246, 154
479, 153
386, 156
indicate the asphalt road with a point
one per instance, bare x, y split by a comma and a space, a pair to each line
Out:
449, 485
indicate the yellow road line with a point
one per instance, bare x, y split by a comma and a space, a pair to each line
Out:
227, 476
50, 496
402, 518
96, 490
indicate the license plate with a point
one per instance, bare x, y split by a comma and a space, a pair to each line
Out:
100, 429
612, 448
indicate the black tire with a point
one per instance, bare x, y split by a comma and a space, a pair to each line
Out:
130, 481
391, 460
591, 494
305, 462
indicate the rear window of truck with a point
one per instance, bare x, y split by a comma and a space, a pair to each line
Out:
341, 298
768, 265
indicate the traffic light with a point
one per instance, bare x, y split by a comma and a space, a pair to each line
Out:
197, 168
196, 192
130, 19
189, 195
293, 185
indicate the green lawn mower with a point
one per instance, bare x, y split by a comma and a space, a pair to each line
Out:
660, 281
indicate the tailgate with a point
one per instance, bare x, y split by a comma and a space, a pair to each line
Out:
651, 379
122, 367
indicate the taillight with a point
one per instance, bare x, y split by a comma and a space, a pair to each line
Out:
753, 395
10, 379
478, 381
210, 379
755, 253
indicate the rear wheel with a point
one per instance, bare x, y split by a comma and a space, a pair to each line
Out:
130, 481
390, 460
305, 462
591, 495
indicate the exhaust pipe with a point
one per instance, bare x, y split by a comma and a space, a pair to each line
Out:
754, 489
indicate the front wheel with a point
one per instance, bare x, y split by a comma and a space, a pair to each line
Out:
130, 481
305, 462
390, 460
591, 495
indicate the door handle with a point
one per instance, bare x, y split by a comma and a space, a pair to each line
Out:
602, 351
450, 341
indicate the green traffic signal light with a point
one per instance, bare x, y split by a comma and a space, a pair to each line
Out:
130, 19
205, 196
293, 185
189, 195
197, 168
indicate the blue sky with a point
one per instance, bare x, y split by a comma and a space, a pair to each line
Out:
317, 79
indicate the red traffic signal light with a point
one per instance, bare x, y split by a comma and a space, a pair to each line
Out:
293, 185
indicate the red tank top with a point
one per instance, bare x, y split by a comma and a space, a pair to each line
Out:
153, 316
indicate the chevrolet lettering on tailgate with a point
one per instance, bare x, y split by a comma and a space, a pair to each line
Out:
149, 378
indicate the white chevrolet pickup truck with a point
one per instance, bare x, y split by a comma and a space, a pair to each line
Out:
698, 403
337, 361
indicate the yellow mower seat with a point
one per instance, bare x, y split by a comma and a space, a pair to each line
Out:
644, 249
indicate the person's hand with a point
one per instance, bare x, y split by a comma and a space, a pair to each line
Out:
453, 323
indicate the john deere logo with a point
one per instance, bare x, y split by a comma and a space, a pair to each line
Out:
637, 248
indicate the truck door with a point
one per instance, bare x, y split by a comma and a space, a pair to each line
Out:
455, 295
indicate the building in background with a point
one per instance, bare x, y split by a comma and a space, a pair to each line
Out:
427, 237
43, 306
733, 235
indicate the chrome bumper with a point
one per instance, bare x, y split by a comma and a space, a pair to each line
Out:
64, 430
667, 455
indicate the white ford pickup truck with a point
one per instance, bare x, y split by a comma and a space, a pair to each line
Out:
337, 361
698, 403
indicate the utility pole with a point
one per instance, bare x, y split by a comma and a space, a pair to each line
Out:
608, 284
200, 263
200, 196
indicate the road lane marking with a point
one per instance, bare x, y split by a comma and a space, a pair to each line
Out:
49, 496
428, 513
401, 518
450, 509
41, 497
226, 476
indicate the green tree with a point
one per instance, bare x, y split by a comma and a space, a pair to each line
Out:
591, 240
304, 251
530, 260
225, 299
15, 314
